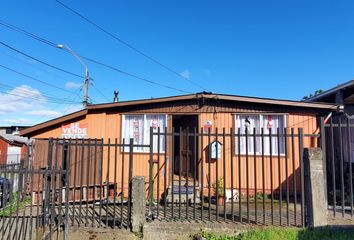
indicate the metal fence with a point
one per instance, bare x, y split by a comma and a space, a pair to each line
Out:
21, 217
339, 153
252, 176
80, 182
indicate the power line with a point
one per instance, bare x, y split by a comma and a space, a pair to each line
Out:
100, 92
52, 100
40, 61
45, 63
133, 75
25, 91
36, 37
55, 108
45, 41
17, 29
36, 79
129, 45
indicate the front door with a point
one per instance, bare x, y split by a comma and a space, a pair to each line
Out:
185, 145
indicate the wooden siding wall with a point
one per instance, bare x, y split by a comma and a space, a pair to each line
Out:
307, 122
107, 125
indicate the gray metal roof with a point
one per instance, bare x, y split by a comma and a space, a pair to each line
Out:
15, 138
330, 91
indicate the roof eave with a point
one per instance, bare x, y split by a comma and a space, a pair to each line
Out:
322, 106
216, 96
330, 91
52, 122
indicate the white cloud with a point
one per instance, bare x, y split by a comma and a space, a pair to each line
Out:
44, 113
25, 105
19, 99
72, 85
186, 74
18, 121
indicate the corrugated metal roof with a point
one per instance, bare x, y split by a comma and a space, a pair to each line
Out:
13, 139
330, 91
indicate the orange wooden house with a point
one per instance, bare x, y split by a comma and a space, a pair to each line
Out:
251, 159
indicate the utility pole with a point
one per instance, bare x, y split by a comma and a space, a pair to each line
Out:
86, 88
85, 99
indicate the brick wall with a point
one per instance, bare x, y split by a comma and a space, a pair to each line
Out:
3, 151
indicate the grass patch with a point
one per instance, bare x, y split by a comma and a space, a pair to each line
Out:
12, 206
284, 233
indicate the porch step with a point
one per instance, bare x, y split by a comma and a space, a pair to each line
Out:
183, 190
184, 182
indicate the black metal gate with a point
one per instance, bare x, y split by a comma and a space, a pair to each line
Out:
34, 203
64, 183
339, 153
229, 175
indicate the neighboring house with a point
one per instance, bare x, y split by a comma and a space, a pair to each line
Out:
341, 95
11, 129
133, 119
341, 148
13, 149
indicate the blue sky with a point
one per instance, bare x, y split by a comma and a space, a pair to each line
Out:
276, 49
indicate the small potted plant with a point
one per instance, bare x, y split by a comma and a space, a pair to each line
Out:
218, 188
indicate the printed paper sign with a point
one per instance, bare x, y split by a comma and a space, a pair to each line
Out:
154, 123
136, 130
74, 130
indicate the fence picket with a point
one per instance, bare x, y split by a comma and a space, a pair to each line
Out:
82, 177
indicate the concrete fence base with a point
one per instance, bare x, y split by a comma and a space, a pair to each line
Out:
137, 217
315, 188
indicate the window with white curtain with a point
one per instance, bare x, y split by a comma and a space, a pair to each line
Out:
138, 128
255, 122
249, 124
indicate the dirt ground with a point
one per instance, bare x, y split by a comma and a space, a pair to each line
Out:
182, 230
158, 230
100, 234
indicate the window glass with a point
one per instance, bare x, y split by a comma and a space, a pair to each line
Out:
247, 124
155, 121
270, 125
138, 128
134, 128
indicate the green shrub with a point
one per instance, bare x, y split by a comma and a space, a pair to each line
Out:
12, 206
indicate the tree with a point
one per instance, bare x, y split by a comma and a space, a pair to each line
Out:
312, 95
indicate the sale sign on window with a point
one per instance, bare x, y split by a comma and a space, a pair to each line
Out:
154, 123
136, 130
74, 130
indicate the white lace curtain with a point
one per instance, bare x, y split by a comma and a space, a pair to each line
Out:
269, 123
138, 128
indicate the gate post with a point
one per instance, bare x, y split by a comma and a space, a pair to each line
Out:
324, 152
151, 183
138, 202
315, 197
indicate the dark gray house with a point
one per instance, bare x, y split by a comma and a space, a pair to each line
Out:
339, 135
342, 95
